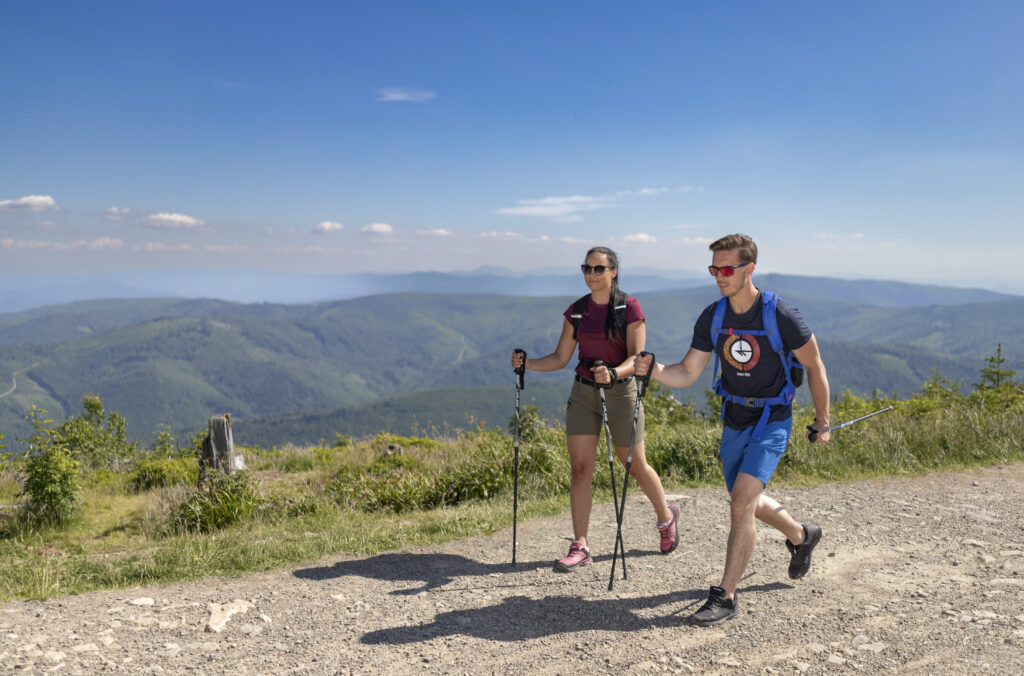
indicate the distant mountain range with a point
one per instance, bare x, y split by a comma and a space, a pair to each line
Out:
253, 286
407, 361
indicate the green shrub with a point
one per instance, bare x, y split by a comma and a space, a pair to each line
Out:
52, 483
386, 465
384, 439
159, 472
96, 438
223, 501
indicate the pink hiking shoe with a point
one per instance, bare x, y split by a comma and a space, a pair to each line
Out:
669, 532
579, 555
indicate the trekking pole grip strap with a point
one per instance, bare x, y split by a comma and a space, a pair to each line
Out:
521, 371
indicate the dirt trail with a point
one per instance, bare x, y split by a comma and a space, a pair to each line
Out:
920, 575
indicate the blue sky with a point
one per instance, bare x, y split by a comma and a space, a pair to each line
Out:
868, 139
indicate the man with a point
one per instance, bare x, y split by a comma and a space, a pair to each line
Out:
757, 391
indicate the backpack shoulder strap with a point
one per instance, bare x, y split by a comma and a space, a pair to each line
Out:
716, 328
769, 304
619, 303
716, 321
578, 309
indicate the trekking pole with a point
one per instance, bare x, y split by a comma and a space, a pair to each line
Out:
641, 390
611, 466
520, 384
814, 433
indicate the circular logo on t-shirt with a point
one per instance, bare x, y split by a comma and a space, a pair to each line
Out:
742, 351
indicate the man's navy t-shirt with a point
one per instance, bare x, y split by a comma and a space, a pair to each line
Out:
750, 368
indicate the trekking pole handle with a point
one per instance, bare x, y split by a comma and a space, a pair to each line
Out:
813, 436
603, 386
521, 371
643, 381
813, 433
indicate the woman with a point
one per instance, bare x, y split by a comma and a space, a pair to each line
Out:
603, 336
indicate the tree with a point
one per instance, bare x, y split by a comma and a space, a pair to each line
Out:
996, 387
96, 438
52, 473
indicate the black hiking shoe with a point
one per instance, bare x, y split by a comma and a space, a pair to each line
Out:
801, 561
716, 610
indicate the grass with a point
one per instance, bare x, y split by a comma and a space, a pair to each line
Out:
301, 504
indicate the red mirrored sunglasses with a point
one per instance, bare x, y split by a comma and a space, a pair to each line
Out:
725, 270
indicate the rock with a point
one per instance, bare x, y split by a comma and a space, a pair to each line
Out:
54, 656
975, 543
221, 613
250, 629
143, 601
859, 640
836, 659
872, 647
801, 666
85, 648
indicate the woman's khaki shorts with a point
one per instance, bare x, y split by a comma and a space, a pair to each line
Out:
583, 412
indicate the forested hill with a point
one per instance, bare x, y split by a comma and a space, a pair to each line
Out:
175, 362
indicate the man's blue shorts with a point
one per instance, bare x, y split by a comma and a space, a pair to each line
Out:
756, 457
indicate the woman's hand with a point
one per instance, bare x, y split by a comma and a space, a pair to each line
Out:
603, 374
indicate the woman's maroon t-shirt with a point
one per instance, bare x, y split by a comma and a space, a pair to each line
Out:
594, 343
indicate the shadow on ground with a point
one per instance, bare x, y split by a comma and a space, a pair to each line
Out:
430, 570
519, 617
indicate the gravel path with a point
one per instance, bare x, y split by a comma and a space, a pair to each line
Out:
919, 575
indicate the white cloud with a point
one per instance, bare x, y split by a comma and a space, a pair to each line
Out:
569, 209
494, 234
29, 203
226, 248
160, 247
94, 244
404, 94
268, 231
24, 244
437, 232
311, 249
696, 240
557, 208
564, 240
640, 238
166, 220
327, 226
117, 213
378, 229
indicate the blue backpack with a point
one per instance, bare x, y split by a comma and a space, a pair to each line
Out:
794, 369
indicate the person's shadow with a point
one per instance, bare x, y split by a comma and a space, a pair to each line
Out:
430, 570
520, 617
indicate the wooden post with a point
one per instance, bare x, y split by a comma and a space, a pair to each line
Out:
219, 449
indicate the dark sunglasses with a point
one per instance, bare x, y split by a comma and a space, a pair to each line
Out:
725, 270
596, 269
